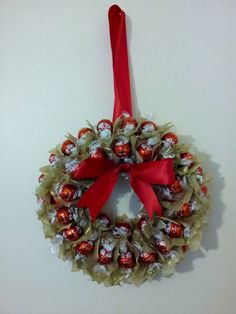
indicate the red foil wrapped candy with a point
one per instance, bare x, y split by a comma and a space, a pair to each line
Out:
177, 186
170, 138
174, 230
148, 127
68, 192
126, 260
72, 233
128, 124
64, 215
82, 133
145, 151
85, 247
147, 257
186, 159
67, 147
105, 128
122, 148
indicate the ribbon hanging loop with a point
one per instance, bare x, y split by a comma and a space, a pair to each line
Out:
119, 49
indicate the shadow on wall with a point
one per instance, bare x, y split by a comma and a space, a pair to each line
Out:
215, 215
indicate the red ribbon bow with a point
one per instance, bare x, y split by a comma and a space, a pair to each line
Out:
142, 176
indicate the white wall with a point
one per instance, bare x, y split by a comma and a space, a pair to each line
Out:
55, 73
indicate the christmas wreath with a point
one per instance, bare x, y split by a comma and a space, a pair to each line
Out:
83, 170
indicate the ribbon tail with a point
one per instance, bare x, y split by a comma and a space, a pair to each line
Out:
147, 196
97, 195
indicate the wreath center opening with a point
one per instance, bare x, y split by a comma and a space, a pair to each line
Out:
123, 200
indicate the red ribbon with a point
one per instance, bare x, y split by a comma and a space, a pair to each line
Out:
105, 171
142, 176
120, 62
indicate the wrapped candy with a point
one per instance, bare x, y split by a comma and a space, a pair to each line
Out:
64, 215
128, 124
174, 230
154, 268
122, 228
68, 192
73, 169
82, 133
104, 124
165, 193
71, 166
173, 255
121, 147
204, 190
152, 141
162, 247
104, 220
95, 150
199, 174
52, 216
106, 250
177, 186
105, 257
78, 215
67, 147
186, 159
170, 138
55, 244
185, 210
73, 233
148, 127
160, 244
145, 151
126, 258
105, 128
86, 247
187, 232
146, 258
142, 222
97, 154
166, 150
199, 171
52, 159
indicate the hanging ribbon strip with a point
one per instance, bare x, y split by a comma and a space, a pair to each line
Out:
105, 171
120, 62
142, 176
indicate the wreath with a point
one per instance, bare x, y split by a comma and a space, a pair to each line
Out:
83, 170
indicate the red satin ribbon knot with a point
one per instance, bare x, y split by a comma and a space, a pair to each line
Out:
142, 176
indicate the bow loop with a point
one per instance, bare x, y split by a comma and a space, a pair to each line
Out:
142, 176
155, 172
